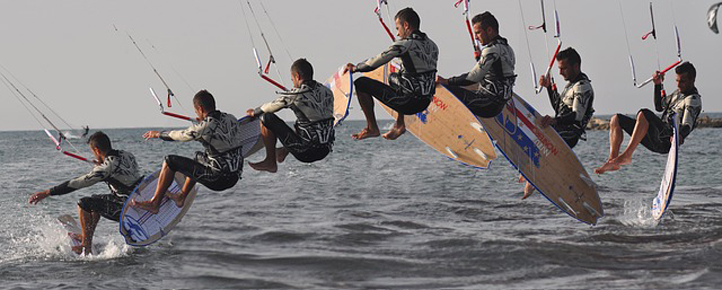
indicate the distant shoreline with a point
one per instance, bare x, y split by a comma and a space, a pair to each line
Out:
705, 121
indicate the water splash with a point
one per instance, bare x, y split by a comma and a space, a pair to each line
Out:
638, 213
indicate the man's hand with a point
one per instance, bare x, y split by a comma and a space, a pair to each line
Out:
546, 121
251, 113
545, 82
658, 78
151, 134
37, 197
441, 81
349, 68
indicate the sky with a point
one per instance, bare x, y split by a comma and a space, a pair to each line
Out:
70, 54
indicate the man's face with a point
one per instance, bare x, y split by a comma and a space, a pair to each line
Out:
96, 153
684, 82
402, 29
296, 80
567, 70
483, 36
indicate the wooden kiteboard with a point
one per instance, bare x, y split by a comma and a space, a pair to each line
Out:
546, 161
342, 87
446, 125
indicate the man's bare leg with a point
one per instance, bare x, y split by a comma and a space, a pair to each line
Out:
367, 106
164, 181
528, 190
88, 222
269, 140
398, 129
640, 130
616, 136
180, 197
281, 154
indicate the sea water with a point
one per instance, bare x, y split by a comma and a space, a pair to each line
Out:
373, 214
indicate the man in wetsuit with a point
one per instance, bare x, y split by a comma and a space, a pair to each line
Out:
573, 107
313, 137
654, 132
218, 168
493, 73
116, 168
411, 89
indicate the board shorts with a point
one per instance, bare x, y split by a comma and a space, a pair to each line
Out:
210, 177
303, 150
658, 134
482, 105
108, 206
403, 104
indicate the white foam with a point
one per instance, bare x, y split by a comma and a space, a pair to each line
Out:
638, 213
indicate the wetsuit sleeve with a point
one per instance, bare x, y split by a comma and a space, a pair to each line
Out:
554, 98
398, 48
460, 80
489, 56
98, 174
283, 101
658, 96
692, 107
194, 132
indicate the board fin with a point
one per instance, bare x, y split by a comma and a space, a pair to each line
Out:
452, 153
477, 126
481, 153
591, 210
588, 181
571, 210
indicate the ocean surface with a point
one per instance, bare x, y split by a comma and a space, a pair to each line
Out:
374, 214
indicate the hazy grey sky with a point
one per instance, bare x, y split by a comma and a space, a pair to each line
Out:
69, 53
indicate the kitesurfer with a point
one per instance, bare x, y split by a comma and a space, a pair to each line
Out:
493, 73
118, 169
654, 132
411, 89
218, 168
572, 107
313, 136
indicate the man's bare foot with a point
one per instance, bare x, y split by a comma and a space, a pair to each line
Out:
610, 165
281, 154
179, 198
521, 178
623, 159
264, 165
528, 190
366, 133
145, 205
395, 133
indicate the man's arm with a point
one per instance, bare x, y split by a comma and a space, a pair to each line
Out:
398, 48
283, 101
194, 132
692, 107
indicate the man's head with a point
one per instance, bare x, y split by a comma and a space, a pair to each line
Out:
100, 145
569, 63
301, 70
407, 21
486, 27
686, 75
204, 103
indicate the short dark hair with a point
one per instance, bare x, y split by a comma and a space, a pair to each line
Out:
303, 68
100, 141
570, 55
688, 68
487, 20
205, 100
409, 16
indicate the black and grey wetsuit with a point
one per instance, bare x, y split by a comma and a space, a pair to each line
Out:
687, 107
494, 75
120, 171
411, 89
573, 108
221, 165
313, 137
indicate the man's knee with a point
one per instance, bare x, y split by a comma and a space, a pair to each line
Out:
614, 122
269, 118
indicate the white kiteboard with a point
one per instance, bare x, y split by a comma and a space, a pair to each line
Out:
141, 228
666, 188
71, 225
